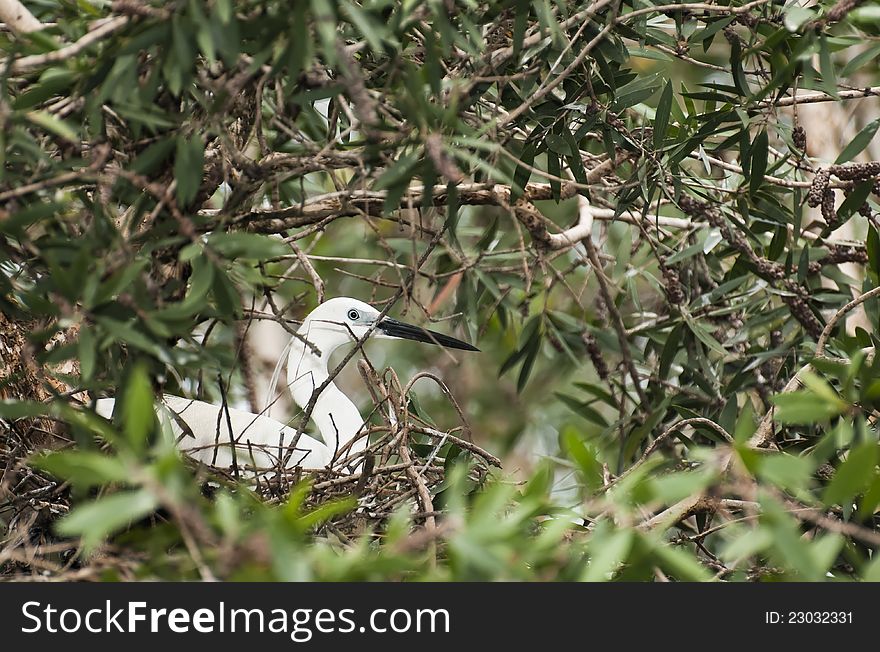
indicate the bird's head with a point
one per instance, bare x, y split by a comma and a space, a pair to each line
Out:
343, 320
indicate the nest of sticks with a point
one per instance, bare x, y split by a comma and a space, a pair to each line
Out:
403, 465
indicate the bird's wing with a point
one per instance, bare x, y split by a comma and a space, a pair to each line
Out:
254, 441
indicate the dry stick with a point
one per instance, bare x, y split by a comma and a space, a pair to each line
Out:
317, 281
692, 7
461, 443
101, 153
616, 319
26, 64
817, 517
812, 98
732, 167
826, 332
695, 421
348, 203
446, 392
418, 483
561, 77
690, 505
354, 202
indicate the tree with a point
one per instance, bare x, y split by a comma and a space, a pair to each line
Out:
632, 207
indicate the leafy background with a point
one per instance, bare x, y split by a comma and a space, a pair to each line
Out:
657, 221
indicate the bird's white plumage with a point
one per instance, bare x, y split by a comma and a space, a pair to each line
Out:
257, 442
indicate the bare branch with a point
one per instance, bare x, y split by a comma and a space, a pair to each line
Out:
18, 18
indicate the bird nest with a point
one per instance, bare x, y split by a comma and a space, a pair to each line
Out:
403, 465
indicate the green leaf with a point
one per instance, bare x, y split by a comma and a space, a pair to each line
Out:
795, 16
52, 82
153, 156
86, 348
365, 25
859, 142
661, 119
673, 487
681, 565
638, 90
854, 475
786, 471
50, 123
224, 10
805, 408
584, 457
702, 333
583, 408
854, 200
870, 500
872, 571
826, 67
188, 164
13, 409
607, 554
531, 353
736, 66
83, 468
325, 21
96, 520
759, 151
873, 247
869, 55
138, 414
254, 246
789, 548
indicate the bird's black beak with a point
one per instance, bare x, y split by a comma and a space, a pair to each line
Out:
394, 328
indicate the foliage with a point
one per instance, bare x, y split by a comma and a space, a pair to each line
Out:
616, 199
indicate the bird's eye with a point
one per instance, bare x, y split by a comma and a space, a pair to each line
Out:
353, 315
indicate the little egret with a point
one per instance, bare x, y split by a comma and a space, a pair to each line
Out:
225, 437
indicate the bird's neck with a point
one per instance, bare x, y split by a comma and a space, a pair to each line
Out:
335, 416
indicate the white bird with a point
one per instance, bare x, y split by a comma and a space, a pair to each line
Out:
257, 442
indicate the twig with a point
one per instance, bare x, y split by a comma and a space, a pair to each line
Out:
26, 64
829, 327
616, 320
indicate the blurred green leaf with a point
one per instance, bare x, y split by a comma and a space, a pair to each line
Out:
188, 163
95, 521
853, 475
859, 142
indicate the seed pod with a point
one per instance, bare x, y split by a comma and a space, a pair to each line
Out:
770, 270
828, 212
801, 311
674, 291
595, 354
799, 138
856, 171
817, 190
554, 342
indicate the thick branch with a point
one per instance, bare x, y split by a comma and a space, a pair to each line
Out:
18, 18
